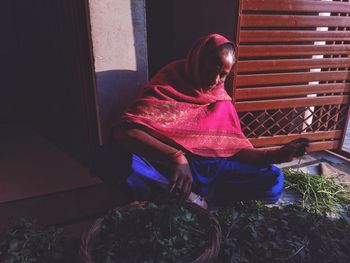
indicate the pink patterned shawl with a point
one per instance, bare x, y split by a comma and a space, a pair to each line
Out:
175, 109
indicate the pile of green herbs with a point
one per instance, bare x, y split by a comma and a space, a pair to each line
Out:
319, 194
26, 242
253, 232
166, 232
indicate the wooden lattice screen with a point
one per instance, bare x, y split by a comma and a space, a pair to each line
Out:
292, 75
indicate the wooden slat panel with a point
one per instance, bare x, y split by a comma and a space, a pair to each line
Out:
289, 103
281, 91
293, 21
291, 50
291, 64
292, 35
280, 78
295, 6
318, 146
265, 22
282, 139
322, 146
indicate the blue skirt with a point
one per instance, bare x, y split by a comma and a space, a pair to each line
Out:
221, 177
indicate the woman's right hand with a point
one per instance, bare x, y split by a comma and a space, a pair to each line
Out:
294, 149
180, 177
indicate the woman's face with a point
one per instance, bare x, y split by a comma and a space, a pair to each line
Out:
216, 67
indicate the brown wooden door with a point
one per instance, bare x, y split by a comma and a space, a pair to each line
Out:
292, 75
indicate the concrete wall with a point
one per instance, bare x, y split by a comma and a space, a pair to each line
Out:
118, 31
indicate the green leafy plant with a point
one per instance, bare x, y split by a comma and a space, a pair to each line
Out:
165, 232
251, 231
26, 242
318, 193
255, 233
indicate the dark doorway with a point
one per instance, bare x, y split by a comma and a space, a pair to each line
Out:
174, 25
47, 82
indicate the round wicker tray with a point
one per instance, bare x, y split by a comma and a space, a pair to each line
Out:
209, 253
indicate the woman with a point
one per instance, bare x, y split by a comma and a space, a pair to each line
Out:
185, 136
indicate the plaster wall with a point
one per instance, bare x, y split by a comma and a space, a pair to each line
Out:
118, 32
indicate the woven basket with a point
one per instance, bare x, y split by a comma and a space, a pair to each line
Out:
209, 253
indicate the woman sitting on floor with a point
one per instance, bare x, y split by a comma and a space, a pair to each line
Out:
184, 134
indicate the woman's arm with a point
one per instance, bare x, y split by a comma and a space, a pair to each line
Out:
285, 153
142, 143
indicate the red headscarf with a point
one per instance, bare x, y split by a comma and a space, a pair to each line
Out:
175, 109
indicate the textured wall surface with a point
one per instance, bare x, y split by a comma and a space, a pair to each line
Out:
118, 30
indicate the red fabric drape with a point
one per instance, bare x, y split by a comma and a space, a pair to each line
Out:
174, 108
